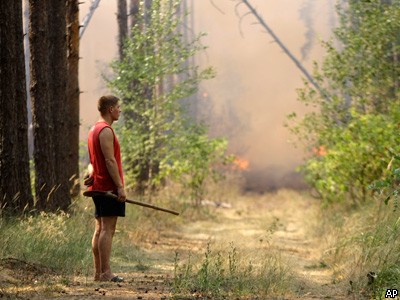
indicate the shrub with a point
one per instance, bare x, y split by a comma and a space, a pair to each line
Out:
355, 118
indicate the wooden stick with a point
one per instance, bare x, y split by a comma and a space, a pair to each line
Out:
113, 196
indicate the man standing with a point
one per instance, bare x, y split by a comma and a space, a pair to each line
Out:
105, 157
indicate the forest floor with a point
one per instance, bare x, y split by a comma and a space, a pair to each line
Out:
283, 221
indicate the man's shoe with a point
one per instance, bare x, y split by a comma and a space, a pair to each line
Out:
117, 279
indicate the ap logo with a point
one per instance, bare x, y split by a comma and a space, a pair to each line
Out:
391, 293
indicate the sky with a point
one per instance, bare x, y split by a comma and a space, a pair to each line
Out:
256, 82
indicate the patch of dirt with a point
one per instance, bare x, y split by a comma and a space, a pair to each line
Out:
278, 221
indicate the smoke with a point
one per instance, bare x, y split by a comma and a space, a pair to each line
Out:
220, 108
255, 87
256, 84
307, 12
332, 21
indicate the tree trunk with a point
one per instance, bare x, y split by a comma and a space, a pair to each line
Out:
43, 151
58, 99
27, 75
15, 188
134, 12
47, 38
73, 96
122, 26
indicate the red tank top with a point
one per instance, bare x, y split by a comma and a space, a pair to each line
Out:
102, 179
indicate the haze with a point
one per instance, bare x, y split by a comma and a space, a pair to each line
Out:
255, 87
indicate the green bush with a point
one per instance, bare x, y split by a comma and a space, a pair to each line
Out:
355, 119
356, 156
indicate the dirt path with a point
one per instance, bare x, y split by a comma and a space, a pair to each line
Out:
279, 222
272, 222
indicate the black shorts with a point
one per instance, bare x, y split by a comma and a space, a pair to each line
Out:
108, 207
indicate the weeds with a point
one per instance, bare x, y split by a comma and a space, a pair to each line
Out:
59, 241
228, 273
62, 241
363, 242
49, 239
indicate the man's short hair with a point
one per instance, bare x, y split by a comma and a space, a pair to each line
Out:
106, 102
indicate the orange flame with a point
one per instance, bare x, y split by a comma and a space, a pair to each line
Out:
320, 151
240, 164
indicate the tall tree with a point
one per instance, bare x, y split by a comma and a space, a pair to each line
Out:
58, 98
27, 74
47, 37
15, 188
73, 93
41, 110
122, 17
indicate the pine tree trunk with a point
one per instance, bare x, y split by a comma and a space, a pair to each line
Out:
43, 151
58, 99
27, 75
47, 38
73, 96
15, 188
122, 26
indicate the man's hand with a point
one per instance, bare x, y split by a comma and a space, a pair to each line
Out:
88, 180
121, 194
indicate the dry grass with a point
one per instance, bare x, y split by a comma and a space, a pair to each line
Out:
231, 272
361, 241
273, 245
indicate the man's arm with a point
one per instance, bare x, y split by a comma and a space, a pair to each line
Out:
106, 138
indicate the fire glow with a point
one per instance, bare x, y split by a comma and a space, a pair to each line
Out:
319, 151
241, 164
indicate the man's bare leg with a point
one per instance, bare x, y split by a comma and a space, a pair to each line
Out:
95, 250
108, 225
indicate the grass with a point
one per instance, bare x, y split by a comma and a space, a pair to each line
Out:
230, 273
363, 247
62, 241
43, 252
249, 267
354, 242
49, 239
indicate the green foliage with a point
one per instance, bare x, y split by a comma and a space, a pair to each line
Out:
50, 239
357, 123
153, 79
193, 159
355, 156
388, 186
365, 68
228, 273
